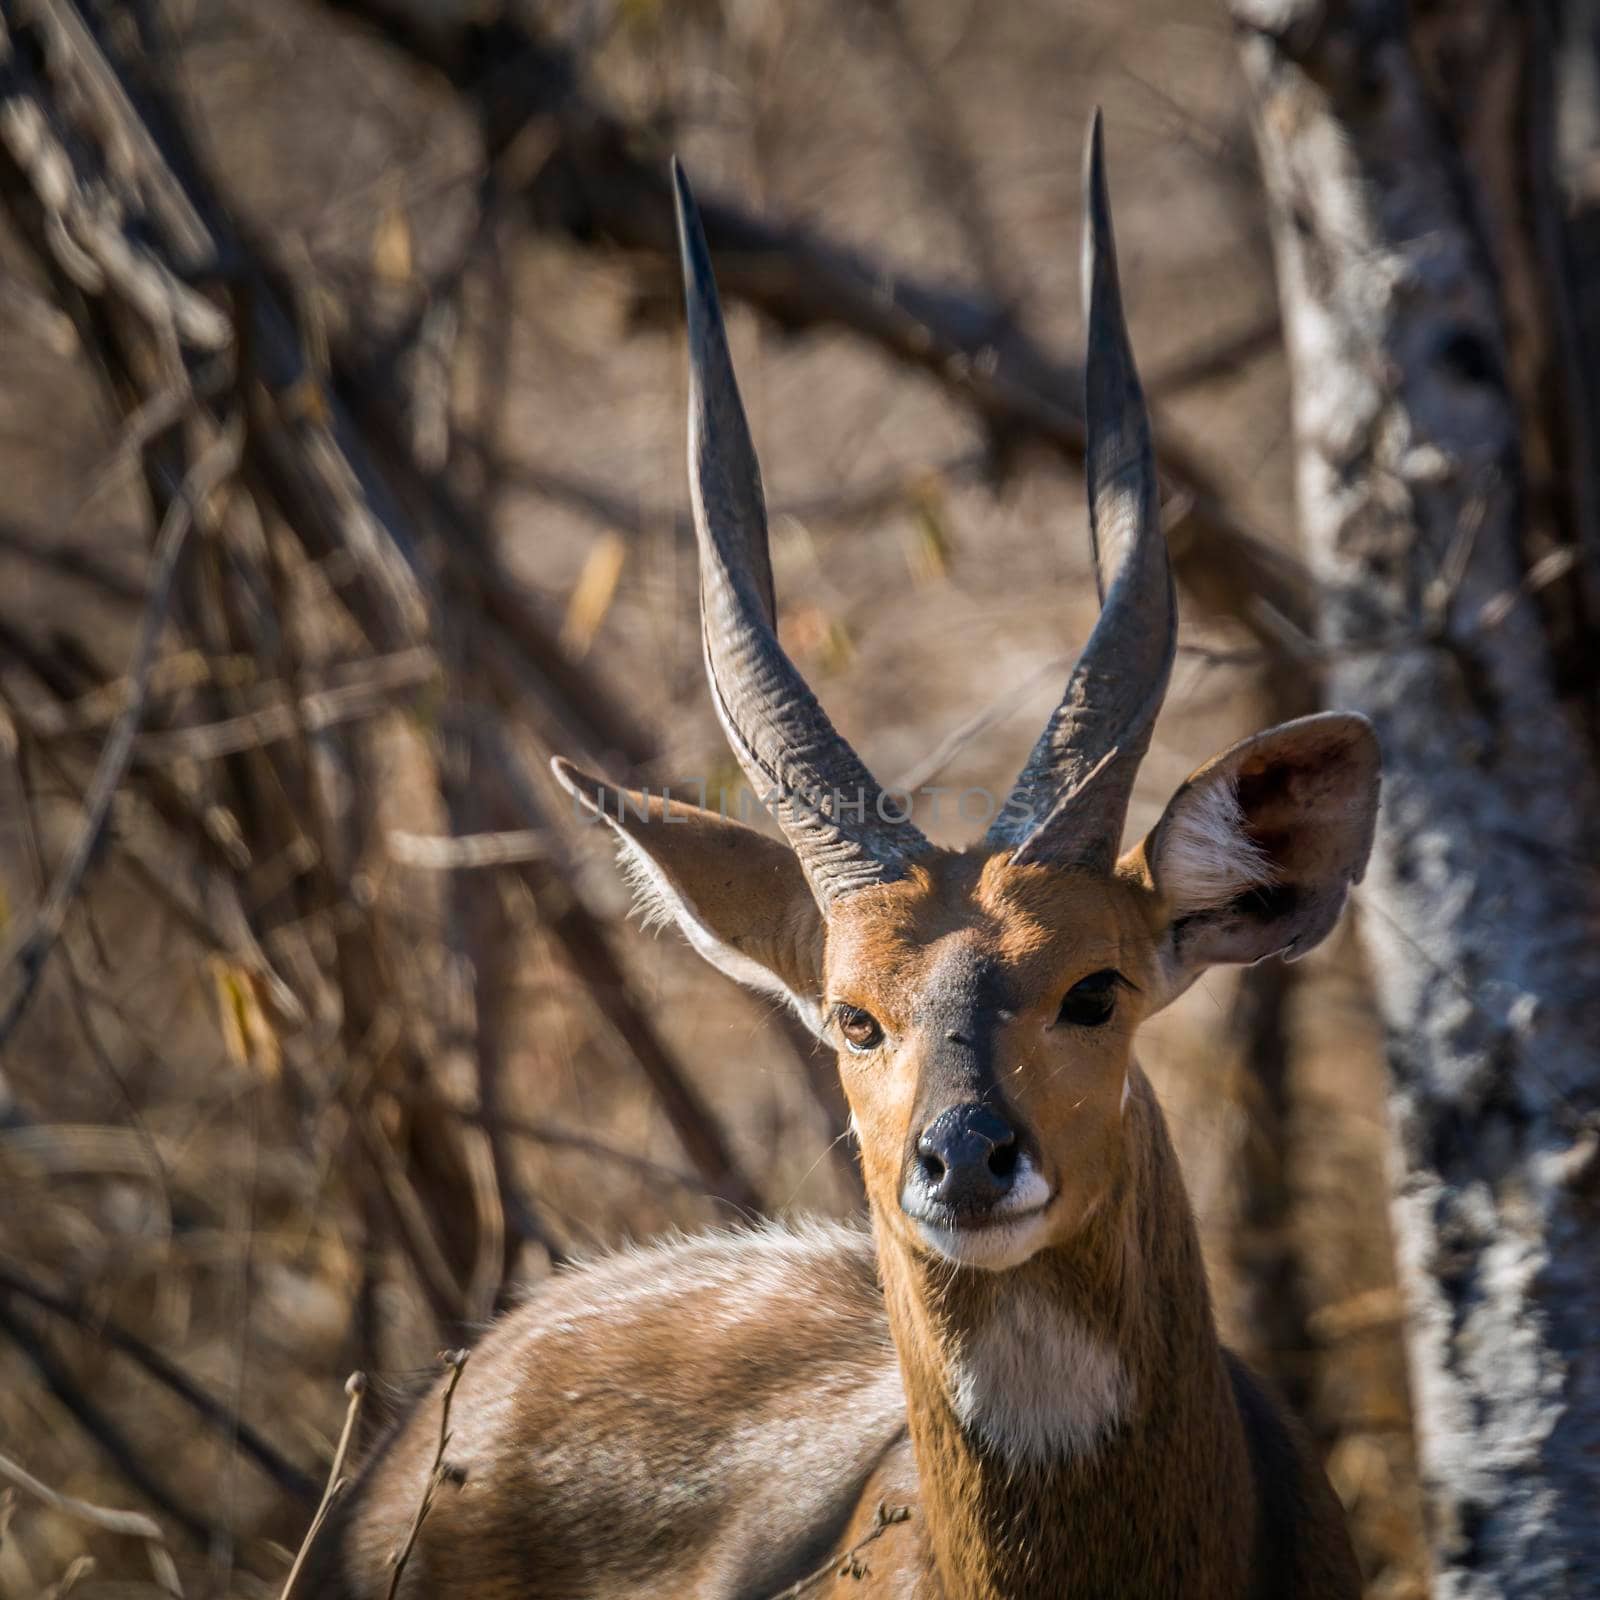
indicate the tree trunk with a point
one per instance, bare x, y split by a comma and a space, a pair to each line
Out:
1482, 904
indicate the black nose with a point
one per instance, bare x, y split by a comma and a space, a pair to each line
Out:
966, 1158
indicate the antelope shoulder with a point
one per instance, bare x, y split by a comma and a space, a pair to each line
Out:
697, 1417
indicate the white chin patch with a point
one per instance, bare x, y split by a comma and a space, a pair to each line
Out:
994, 1248
1015, 1233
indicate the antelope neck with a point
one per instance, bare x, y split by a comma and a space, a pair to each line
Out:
1059, 1410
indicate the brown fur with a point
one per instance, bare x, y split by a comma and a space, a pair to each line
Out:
723, 1416
1040, 931
600, 1459
1168, 1506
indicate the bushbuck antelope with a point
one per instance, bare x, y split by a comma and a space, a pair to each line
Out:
1012, 1384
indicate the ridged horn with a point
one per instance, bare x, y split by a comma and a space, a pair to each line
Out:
845, 831
1071, 800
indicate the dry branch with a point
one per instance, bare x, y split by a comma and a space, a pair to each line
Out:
468, 852
356, 1388
367, 694
70, 563
585, 1144
849, 1563
172, 1377
129, 1524
94, 1422
28, 956
600, 179
456, 1361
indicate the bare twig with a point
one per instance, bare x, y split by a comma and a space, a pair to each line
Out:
79, 1568
566, 1139
456, 1361
166, 1373
71, 562
416, 1230
1014, 695
371, 694
355, 1387
362, 690
130, 1524
848, 1563
30, 953
469, 851
1220, 359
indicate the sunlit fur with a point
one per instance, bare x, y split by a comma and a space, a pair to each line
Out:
637, 1428
1042, 1388
1076, 1374
1038, 931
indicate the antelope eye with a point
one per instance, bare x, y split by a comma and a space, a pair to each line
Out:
1090, 1001
860, 1028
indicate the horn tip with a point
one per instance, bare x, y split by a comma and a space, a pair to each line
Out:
699, 282
1097, 208
682, 194
1102, 294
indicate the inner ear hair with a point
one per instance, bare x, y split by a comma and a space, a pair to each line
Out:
1256, 853
737, 895
1209, 858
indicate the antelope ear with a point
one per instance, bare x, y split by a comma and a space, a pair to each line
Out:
738, 896
1256, 853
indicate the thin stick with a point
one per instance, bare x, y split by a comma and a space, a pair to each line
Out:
278, 722
417, 1233
848, 1563
463, 852
77, 1570
564, 1139
30, 954
456, 1360
72, 562
979, 723
104, 1331
106, 1435
356, 1387
271, 718
131, 1524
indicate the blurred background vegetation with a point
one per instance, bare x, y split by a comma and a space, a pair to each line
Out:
341, 430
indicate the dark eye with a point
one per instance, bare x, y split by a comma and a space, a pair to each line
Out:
1090, 1001
860, 1028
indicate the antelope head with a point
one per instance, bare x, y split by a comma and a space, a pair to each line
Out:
982, 1002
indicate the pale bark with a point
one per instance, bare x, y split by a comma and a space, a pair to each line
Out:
1481, 907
